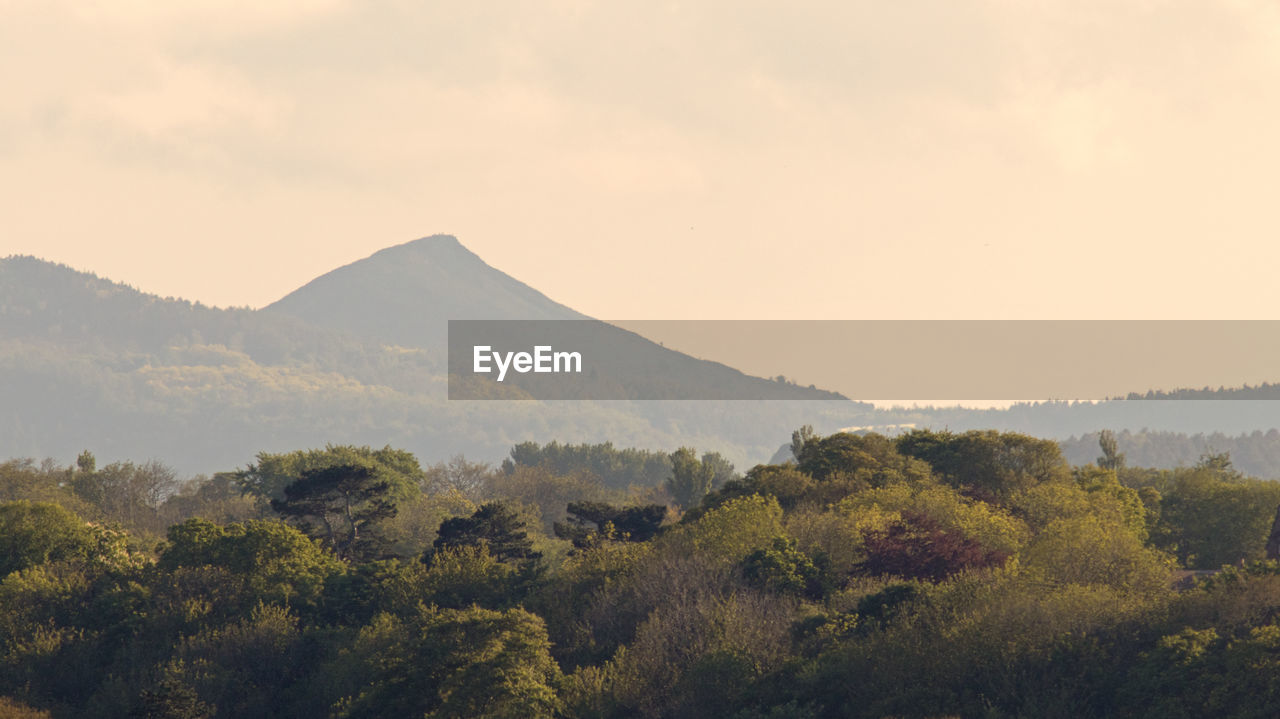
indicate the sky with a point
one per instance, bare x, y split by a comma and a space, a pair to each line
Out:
1064, 159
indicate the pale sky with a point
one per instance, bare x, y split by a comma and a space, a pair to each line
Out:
731, 160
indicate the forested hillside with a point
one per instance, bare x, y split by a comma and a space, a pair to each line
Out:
85, 362
357, 356
1256, 453
931, 574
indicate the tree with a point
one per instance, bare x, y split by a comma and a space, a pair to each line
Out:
917, 547
123, 491
1112, 458
690, 478
1219, 462
616, 468
35, 533
782, 481
171, 699
721, 469
469, 478
456, 663
22, 479
86, 462
242, 666
340, 505
217, 498
589, 523
1090, 550
463, 576
495, 525
800, 438
785, 569
542, 487
865, 459
268, 561
1208, 518
987, 461
267, 478
730, 531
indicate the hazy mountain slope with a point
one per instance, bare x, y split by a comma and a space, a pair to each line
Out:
406, 294
90, 363
1255, 453
86, 363
44, 302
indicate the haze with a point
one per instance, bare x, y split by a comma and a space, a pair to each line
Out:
751, 160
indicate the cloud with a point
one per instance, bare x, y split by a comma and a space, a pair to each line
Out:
237, 16
957, 147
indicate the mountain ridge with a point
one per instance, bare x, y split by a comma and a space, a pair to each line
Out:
86, 362
405, 294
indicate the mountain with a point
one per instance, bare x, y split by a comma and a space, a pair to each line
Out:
405, 295
87, 363
80, 313
355, 357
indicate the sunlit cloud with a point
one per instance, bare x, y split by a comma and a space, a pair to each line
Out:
942, 154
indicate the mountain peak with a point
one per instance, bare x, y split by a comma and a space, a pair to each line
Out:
433, 244
434, 249
406, 294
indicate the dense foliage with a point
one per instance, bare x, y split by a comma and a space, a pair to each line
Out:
931, 574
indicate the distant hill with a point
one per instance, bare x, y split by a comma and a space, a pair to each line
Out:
1256, 453
405, 295
46, 303
87, 363
356, 356
1264, 391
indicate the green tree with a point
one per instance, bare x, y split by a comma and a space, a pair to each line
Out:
35, 533
543, 488
785, 569
1200, 673
456, 663
241, 667
342, 506
217, 498
1112, 458
690, 478
986, 461
866, 459
730, 531
126, 492
459, 577
268, 561
86, 462
800, 438
1219, 462
721, 469
781, 481
615, 468
267, 478
495, 525
1209, 518
1087, 550
589, 523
